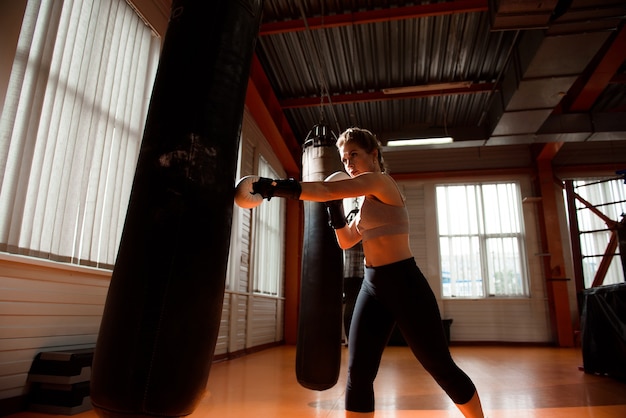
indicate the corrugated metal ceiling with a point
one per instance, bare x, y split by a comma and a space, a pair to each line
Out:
331, 61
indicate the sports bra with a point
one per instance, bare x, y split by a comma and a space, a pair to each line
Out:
377, 218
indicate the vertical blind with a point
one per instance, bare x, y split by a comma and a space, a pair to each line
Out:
269, 240
481, 240
71, 128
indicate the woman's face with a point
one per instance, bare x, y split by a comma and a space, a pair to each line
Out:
356, 160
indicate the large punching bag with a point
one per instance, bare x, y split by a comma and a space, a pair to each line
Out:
318, 347
162, 314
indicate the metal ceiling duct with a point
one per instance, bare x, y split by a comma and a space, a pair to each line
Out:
543, 68
521, 14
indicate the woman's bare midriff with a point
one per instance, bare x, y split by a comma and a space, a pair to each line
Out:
386, 249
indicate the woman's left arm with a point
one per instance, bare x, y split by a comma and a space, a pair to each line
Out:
348, 236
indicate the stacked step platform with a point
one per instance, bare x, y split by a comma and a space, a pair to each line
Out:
60, 382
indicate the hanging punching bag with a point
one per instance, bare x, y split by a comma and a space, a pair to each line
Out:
162, 314
318, 347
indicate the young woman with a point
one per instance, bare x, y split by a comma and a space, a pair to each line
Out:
394, 290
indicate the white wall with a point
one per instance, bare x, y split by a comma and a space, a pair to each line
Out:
481, 320
45, 306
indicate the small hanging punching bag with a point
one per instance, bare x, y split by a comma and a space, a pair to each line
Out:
162, 314
318, 347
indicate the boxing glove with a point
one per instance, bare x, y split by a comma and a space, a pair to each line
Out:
268, 188
336, 216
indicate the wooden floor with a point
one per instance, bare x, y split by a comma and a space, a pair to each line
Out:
513, 382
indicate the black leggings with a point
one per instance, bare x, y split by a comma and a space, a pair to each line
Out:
399, 293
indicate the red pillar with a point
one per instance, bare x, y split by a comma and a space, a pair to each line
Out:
556, 280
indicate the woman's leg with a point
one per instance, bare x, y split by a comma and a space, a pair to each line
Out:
369, 332
416, 311
473, 408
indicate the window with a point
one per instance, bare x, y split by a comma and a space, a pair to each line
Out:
71, 128
608, 198
481, 240
269, 241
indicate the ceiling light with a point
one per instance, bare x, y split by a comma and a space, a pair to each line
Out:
419, 141
428, 87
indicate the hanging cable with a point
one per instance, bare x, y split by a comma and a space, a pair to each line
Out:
324, 90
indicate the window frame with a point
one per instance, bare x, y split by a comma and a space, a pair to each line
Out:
61, 197
481, 238
607, 195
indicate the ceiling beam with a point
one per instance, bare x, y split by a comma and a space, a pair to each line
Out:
375, 16
549, 151
602, 74
470, 174
374, 96
266, 111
